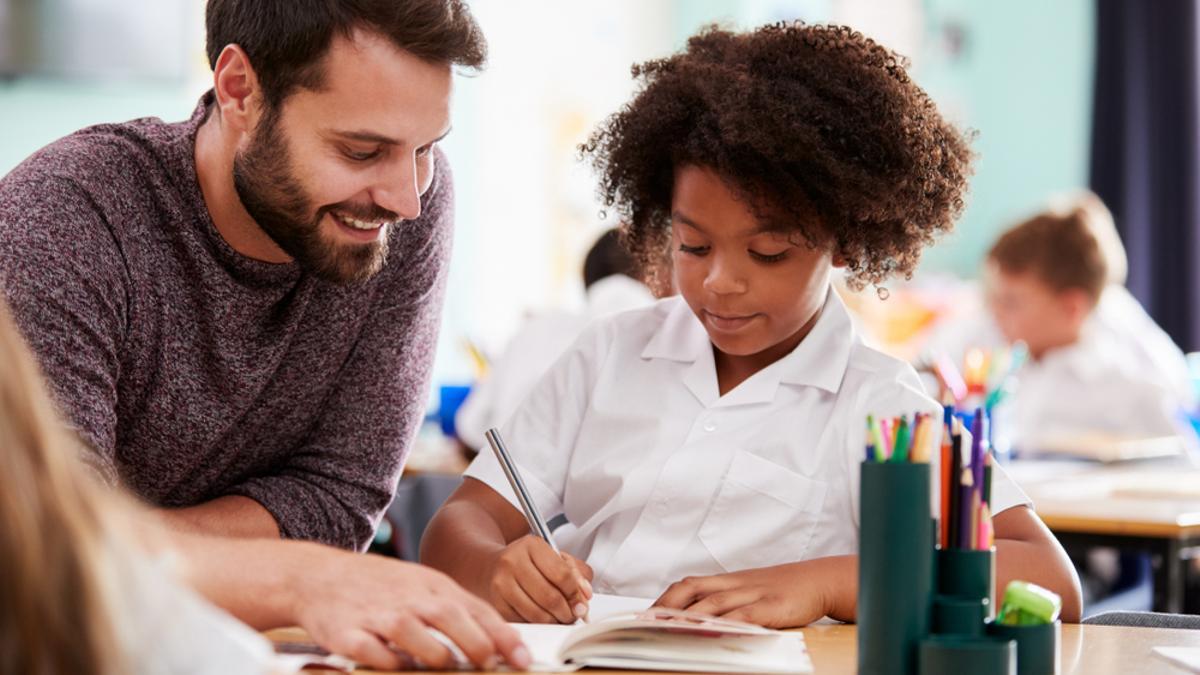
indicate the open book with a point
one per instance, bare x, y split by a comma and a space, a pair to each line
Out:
662, 639
622, 632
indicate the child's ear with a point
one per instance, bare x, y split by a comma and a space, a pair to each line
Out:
1077, 304
838, 260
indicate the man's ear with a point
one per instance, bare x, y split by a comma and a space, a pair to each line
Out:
235, 84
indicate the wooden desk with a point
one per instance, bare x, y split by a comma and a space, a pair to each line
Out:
1086, 650
1147, 506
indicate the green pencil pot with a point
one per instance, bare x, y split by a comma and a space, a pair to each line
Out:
954, 615
895, 566
1038, 651
958, 655
968, 574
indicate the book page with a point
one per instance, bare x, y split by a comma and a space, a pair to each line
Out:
603, 605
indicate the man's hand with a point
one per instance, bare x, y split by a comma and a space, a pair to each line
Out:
783, 596
530, 582
376, 610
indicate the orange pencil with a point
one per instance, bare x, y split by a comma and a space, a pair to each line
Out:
947, 448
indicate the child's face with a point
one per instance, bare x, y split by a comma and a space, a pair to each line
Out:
1026, 308
754, 291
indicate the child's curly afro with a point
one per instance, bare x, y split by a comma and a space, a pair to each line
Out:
819, 128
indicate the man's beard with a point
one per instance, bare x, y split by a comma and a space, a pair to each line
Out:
278, 203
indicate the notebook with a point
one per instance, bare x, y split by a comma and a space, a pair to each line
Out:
623, 633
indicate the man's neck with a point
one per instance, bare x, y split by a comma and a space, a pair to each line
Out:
214, 168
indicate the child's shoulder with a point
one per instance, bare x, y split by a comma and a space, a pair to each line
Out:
880, 378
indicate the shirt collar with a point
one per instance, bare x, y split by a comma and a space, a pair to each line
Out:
820, 360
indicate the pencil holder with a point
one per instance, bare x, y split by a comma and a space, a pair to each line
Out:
956, 655
895, 566
968, 574
1038, 651
959, 615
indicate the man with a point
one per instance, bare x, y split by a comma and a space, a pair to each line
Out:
237, 313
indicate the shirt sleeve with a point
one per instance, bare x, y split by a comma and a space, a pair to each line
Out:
64, 278
335, 488
541, 434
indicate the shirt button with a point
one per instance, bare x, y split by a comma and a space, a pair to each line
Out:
710, 425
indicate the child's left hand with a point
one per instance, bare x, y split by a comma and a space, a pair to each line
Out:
783, 596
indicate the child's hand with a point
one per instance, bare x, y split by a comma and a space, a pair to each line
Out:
532, 583
783, 596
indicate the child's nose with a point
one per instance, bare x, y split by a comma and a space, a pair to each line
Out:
724, 279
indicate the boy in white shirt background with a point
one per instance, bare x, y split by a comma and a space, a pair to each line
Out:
705, 450
1099, 364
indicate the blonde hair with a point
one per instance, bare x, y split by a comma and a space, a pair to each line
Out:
55, 590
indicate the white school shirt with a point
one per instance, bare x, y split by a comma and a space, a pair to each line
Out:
1090, 386
662, 478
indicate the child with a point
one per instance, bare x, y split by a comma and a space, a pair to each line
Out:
1099, 364
75, 598
713, 440
610, 286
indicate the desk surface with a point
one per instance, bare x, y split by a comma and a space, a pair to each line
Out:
1090, 650
1140, 499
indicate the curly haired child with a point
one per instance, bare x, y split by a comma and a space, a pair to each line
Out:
705, 450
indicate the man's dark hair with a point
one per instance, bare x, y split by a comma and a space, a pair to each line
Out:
606, 258
285, 40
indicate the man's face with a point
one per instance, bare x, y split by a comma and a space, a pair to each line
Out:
329, 172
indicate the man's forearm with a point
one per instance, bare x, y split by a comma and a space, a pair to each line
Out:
230, 516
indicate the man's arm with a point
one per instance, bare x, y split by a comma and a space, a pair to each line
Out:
64, 278
366, 607
230, 516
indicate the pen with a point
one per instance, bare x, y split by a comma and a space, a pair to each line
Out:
537, 524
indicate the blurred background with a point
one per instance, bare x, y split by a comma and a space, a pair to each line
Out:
1020, 73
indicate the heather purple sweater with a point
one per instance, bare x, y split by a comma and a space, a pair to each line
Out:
194, 372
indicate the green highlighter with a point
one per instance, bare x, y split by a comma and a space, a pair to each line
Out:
1027, 604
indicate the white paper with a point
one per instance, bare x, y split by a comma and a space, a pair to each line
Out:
1184, 657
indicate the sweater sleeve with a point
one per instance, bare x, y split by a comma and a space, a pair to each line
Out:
336, 487
63, 277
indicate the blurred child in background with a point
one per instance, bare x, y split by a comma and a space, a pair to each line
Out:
1098, 364
609, 281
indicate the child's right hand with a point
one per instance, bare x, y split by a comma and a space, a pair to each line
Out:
533, 584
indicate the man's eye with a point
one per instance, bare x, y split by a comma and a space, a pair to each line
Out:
362, 156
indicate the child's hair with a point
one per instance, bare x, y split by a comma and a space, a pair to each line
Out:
54, 599
819, 128
1073, 245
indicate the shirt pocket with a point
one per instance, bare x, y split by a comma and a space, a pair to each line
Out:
764, 514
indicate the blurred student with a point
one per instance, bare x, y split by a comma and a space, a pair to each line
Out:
1098, 363
706, 449
94, 584
610, 285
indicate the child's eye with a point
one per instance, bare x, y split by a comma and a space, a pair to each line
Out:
693, 250
768, 258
